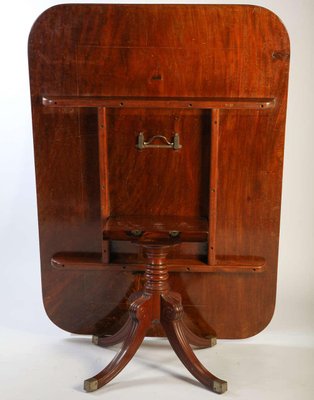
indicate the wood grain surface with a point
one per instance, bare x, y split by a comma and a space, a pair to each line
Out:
159, 52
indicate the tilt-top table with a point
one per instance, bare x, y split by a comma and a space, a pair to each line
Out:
158, 137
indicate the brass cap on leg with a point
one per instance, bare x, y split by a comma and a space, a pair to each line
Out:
90, 385
220, 387
95, 339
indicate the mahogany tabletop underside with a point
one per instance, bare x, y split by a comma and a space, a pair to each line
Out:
130, 54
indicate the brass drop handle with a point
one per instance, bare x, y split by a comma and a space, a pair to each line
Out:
142, 144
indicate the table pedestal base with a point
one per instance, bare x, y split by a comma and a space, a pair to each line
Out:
156, 304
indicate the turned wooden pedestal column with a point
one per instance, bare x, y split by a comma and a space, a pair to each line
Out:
156, 304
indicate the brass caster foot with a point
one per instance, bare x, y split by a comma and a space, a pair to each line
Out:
90, 385
95, 339
213, 341
220, 387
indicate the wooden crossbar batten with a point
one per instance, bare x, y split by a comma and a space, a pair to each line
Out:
159, 102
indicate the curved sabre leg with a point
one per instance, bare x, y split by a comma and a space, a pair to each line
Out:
171, 319
140, 312
198, 341
201, 342
118, 337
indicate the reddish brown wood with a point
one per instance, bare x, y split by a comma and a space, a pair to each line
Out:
140, 316
156, 304
148, 175
171, 319
122, 334
213, 186
189, 229
104, 176
82, 55
159, 102
118, 337
209, 340
93, 262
